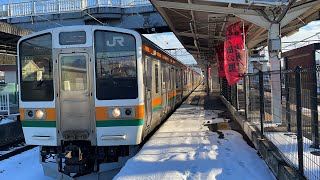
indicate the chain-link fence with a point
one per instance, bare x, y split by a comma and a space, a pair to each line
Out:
283, 106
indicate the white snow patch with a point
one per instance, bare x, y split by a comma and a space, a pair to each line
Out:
287, 143
23, 166
183, 148
215, 121
218, 111
5, 121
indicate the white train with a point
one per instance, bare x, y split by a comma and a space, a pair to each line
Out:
88, 93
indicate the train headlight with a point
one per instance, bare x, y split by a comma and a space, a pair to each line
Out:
39, 114
116, 112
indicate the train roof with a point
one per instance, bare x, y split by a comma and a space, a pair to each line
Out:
146, 41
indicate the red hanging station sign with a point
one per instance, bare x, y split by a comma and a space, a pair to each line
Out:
234, 54
219, 50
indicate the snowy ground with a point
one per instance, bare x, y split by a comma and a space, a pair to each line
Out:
24, 166
183, 148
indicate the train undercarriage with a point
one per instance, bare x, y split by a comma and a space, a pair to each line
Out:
78, 158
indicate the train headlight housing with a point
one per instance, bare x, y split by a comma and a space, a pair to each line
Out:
128, 112
116, 112
122, 112
30, 113
39, 114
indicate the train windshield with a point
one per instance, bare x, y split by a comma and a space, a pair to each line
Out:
116, 66
35, 58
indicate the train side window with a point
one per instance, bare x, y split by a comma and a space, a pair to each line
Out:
156, 71
177, 77
149, 74
163, 78
173, 77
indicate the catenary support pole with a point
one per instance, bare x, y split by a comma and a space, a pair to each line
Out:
274, 47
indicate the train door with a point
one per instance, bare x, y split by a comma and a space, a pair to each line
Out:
74, 96
148, 90
174, 82
164, 88
192, 80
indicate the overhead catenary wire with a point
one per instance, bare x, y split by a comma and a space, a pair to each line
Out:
305, 40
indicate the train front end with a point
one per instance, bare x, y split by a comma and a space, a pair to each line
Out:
80, 99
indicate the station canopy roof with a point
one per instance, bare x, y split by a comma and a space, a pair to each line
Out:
200, 25
9, 36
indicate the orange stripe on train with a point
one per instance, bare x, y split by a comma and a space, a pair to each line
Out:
102, 113
156, 102
50, 114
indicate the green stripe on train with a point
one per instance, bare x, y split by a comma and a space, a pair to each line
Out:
157, 107
172, 98
27, 123
107, 123
111, 123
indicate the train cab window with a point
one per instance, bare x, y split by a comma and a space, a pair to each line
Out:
156, 71
35, 59
116, 65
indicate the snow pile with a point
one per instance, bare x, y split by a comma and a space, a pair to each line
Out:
183, 148
23, 166
5, 121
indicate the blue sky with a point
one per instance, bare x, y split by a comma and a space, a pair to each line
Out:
170, 41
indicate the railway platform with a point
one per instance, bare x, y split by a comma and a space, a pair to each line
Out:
198, 141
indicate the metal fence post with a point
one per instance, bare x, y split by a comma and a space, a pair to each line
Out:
8, 103
57, 5
299, 124
229, 93
288, 105
314, 110
261, 93
220, 81
246, 102
33, 8
237, 97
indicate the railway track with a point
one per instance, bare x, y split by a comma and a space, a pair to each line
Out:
13, 149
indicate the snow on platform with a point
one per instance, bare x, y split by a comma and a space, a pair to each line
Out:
287, 143
183, 148
24, 166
